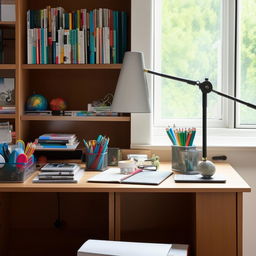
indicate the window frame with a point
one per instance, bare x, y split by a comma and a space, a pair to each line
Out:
226, 39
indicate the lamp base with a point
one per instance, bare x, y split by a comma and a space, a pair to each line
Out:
206, 169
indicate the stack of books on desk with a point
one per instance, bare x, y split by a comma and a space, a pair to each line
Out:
57, 141
59, 173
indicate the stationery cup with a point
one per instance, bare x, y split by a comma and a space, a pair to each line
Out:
185, 159
96, 161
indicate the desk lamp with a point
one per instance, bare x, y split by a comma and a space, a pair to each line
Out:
131, 96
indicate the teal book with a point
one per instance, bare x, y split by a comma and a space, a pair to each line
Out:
92, 39
116, 41
42, 47
123, 35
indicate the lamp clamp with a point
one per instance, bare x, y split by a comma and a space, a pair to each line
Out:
205, 86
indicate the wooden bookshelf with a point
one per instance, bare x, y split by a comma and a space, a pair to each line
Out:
7, 24
8, 66
7, 116
72, 66
77, 84
77, 118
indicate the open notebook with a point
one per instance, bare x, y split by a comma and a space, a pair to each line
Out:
113, 175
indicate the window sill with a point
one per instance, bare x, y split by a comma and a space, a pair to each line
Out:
216, 138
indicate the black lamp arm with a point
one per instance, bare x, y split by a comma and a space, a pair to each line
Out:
173, 77
198, 83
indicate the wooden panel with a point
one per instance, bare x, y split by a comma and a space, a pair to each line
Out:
4, 222
33, 217
118, 216
216, 224
239, 224
7, 66
8, 44
111, 216
158, 217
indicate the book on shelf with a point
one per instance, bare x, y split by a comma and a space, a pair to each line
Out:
45, 146
57, 141
97, 36
7, 96
113, 175
57, 136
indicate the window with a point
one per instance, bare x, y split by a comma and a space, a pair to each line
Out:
194, 40
246, 68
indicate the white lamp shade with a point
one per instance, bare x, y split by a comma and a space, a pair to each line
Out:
131, 95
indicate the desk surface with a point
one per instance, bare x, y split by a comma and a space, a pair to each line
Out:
234, 183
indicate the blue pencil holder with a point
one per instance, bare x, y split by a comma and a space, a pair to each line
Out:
96, 161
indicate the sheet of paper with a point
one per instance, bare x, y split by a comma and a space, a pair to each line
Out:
110, 175
116, 248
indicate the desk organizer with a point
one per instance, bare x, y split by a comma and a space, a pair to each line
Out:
96, 161
16, 172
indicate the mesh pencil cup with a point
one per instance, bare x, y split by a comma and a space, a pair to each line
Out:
185, 159
96, 161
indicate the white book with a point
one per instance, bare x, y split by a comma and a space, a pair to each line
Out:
106, 45
81, 47
67, 47
117, 248
29, 45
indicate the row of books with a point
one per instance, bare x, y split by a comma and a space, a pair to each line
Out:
59, 173
71, 113
57, 141
97, 36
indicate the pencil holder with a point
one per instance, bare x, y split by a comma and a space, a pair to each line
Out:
185, 159
96, 161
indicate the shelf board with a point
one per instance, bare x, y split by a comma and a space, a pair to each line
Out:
71, 66
7, 116
77, 118
9, 24
7, 66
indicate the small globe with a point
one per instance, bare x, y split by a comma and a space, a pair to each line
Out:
36, 102
58, 104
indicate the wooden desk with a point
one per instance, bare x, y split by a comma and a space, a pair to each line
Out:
206, 216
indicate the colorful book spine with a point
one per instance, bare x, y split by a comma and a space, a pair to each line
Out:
83, 36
